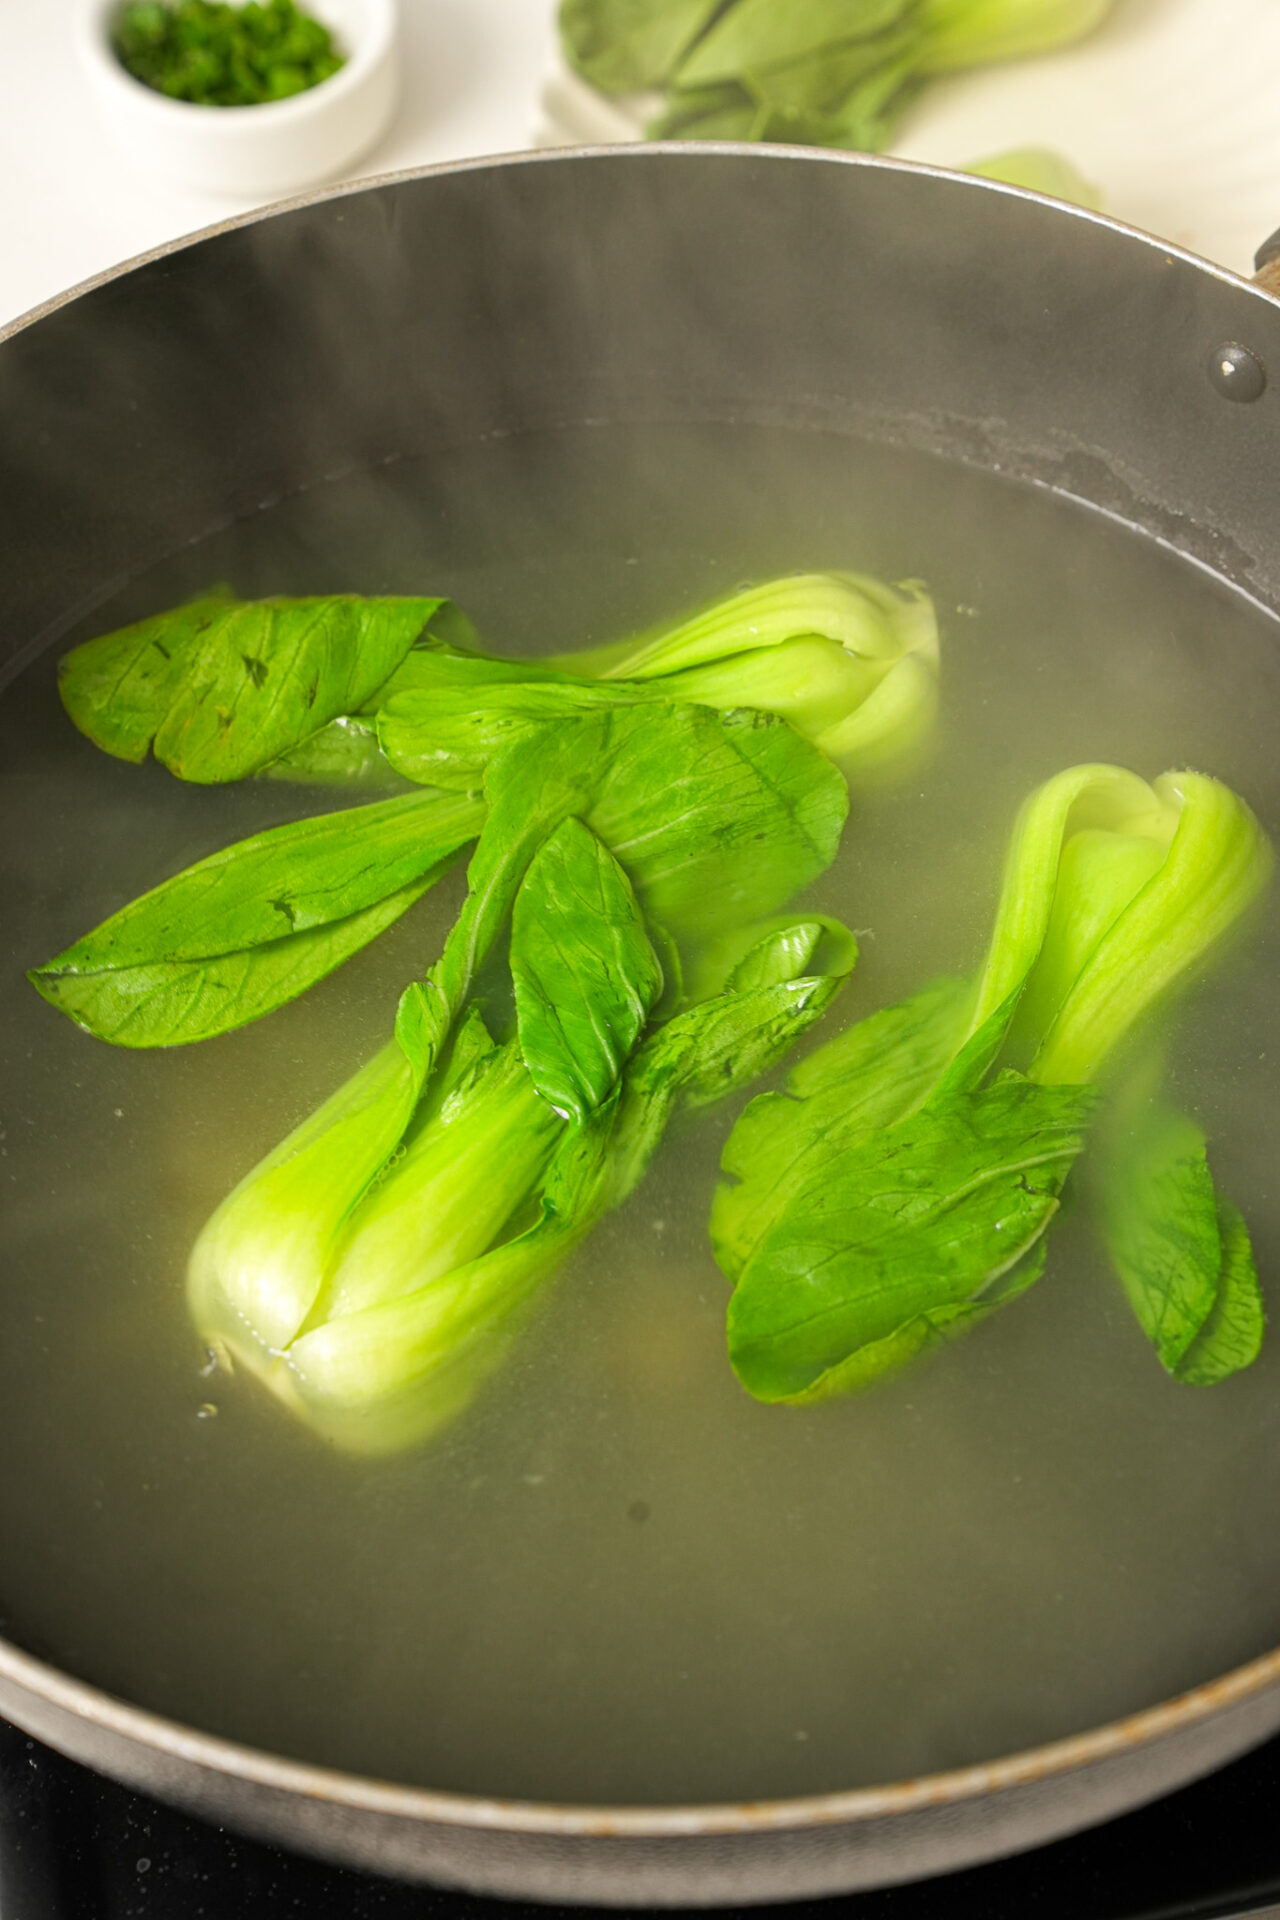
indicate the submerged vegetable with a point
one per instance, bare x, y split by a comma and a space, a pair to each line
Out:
251, 927
362, 1268
1180, 1249
313, 689
705, 812
716, 818
220, 688
898, 1191
825, 72
851, 663
394, 1291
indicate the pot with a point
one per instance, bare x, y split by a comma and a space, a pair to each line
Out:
866, 297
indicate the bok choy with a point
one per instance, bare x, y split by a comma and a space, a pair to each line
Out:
831, 73
903, 1186
362, 1268
293, 689
394, 1283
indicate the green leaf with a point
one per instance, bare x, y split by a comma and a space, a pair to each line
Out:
922, 1218
1160, 1215
531, 787
721, 1045
880, 1359
447, 733
716, 1047
585, 974
818, 86
118, 687
757, 34
871, 1075
222, 688
346, 752
969, 33
717, 817
236, 935
865, 116
622, 46
1232, 1335
1182, 1255
765, 952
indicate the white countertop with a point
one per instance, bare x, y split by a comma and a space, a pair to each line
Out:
69, 207
1173, 107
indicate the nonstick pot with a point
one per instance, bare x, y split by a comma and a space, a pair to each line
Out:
433, 310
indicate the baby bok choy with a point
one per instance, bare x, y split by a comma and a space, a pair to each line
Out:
851, 664
220, 689
405, 1281
901, 1189
823, 72
380, 1219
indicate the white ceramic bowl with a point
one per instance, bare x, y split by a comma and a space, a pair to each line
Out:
257, 152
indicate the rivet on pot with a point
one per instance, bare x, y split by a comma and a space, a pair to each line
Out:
1237, 373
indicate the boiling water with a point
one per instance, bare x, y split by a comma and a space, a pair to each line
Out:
618, 1578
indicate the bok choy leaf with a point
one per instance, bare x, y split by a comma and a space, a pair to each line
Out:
586, 976
717, 818
821, 72
1181, 1250
896, 1191
221, 688
622, 46
240, 933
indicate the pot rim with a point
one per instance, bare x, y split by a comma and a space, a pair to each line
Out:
39, 1680
441, 1807
633, 152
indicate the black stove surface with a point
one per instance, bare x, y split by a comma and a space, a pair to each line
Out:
77, 1847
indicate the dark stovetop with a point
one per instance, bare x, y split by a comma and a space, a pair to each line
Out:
76, 1847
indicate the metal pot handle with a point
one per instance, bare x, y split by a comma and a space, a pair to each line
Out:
1266, 263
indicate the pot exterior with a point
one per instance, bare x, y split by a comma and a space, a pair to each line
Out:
586, 1859
648, 284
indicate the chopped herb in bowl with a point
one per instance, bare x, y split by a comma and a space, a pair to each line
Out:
219, 55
